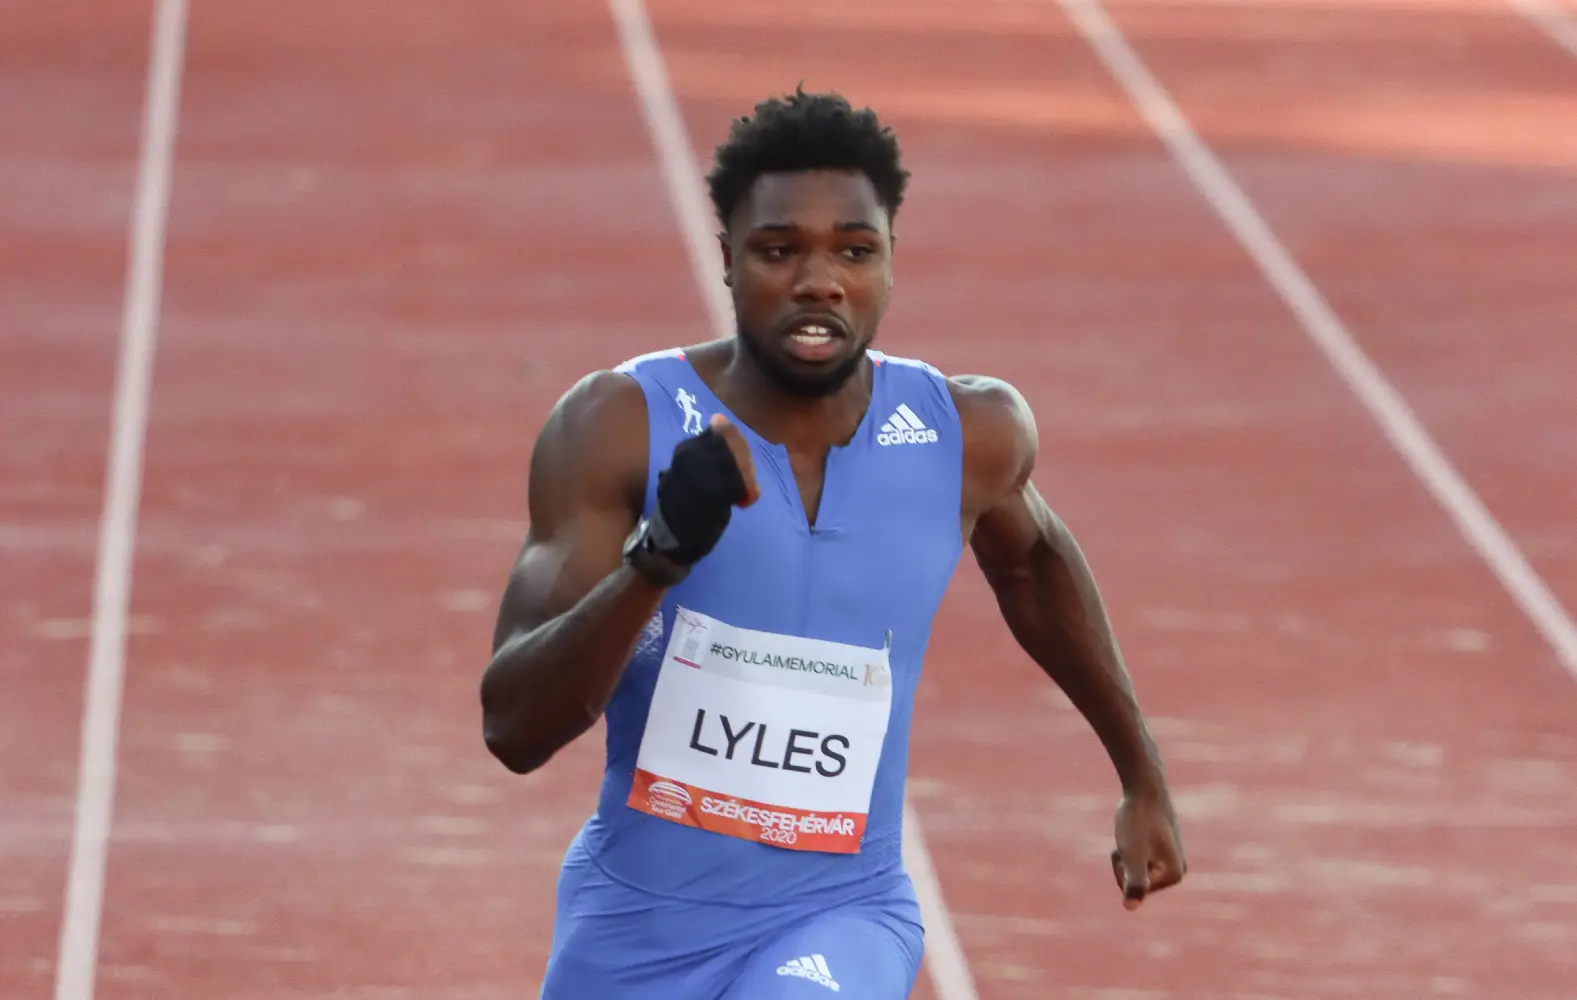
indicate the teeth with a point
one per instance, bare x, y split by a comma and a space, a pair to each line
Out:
812, 334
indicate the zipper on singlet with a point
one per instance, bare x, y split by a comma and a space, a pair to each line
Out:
811, 544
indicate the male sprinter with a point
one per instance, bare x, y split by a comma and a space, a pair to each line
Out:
735, 553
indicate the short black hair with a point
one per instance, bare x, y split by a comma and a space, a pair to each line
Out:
800, 131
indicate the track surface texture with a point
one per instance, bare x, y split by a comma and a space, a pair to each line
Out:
396, 236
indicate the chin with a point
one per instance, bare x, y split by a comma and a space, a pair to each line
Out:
799, 379
817, 381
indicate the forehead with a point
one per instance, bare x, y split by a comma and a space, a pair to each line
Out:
812, 199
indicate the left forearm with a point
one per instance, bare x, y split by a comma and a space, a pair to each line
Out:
1054, 609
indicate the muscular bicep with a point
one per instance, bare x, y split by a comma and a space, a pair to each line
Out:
587, 479
1007, 535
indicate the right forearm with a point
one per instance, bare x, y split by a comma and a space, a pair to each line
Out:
547, 686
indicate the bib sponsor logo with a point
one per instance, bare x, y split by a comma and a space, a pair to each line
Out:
668, 799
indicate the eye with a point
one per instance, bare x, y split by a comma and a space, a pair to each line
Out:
859, 252
776, 251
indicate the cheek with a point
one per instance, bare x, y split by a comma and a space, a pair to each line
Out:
873, 295
758, 291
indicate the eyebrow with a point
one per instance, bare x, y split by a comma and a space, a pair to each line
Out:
838, 227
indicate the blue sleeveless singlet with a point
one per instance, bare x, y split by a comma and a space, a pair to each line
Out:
870, 574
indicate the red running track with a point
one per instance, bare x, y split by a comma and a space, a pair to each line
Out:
395, 240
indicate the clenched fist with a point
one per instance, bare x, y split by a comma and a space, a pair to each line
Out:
1149, 852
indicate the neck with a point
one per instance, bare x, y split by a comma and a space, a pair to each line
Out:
789, 418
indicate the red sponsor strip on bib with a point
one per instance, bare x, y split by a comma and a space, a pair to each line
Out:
780, 826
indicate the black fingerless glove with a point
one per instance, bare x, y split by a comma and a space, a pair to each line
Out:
696, 496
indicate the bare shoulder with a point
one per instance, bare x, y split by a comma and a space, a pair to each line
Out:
993, 402
1000, 438
599, 398
592, 449
583, 495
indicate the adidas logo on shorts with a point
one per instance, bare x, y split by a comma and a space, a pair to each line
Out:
812, 967
903, 427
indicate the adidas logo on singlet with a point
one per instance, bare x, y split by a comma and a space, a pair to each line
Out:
812, 967
903, 427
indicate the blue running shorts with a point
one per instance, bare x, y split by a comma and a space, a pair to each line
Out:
616, 942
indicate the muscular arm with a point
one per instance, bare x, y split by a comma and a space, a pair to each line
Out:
571, 610
1043, 585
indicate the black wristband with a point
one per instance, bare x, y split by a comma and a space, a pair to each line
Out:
644, 551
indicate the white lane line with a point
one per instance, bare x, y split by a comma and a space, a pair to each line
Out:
1404, 430
77, 962
676, 157
1555, 20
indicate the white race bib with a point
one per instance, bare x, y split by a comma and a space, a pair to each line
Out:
766, 737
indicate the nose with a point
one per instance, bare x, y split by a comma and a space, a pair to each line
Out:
818, 280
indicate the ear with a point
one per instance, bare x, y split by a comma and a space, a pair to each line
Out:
728, 259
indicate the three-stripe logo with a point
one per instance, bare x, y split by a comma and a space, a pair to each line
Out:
812, 967
904, 427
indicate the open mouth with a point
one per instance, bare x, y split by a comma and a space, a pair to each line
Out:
815, 341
